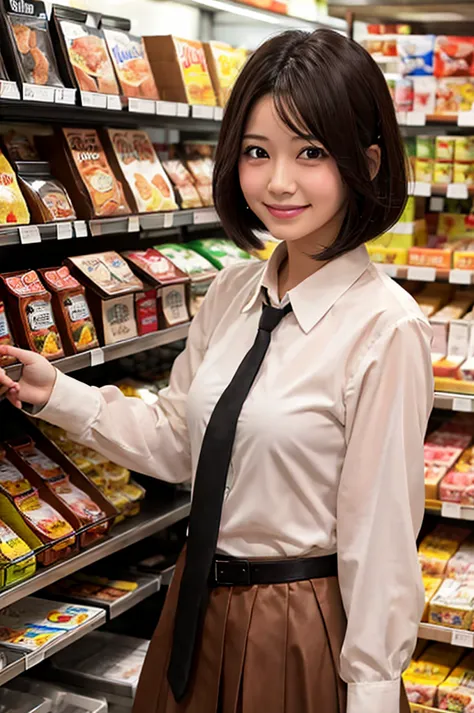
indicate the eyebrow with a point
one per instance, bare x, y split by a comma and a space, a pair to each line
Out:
260, 137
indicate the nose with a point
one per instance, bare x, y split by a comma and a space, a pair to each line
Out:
281, 180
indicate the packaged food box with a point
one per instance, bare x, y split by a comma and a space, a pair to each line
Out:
180, 70
454, 94
17, 560
110, 294
416, 53
424, 170
441, 455
131, 63
461, 564
220, 252
47, 198
84, 51
59, 697
464, 149
404, 94
142, 170
464, 173
454, 56
452, 605
5, 336
183, 182
457, 487
224, 63
443, 173
30, 308
94, 588
423, 676
431, 586
457, 691
13, 209
449, 437
171, 281
71, 310
381, 46
30, 43
455, 309
424, 94
432, 298
146, 311
445, 148
88, 176
201, 170
439, 258
200, 271
434, 474
452, 226
437, 548
425, 147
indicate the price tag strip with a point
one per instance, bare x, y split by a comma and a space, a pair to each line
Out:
461, 277
390, 270
463, 404
424, 274
29, 234
97, 356
80, 228
182, 110
64, 231
459, 191
203, 112
416, 118
167, 108
466, 118
141, 106
218, 113
93, 100
38, 93
463, 638
205, 215
422, 189
436, 204
9, 90
452, 510
134, 224
64, 95
113, 102
168, 220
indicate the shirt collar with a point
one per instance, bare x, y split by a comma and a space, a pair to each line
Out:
315, 296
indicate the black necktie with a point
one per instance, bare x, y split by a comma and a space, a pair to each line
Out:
208, 496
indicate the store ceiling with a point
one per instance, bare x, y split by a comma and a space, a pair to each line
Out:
438, 16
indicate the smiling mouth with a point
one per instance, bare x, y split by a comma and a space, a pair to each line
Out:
285, 211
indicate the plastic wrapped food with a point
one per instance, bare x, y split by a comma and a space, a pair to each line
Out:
131, 64
13, 209
220, 252
88, 56
437, 548
33, 50
49, 200
423, 676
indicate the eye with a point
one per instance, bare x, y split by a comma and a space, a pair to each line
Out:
255, 152
312, 153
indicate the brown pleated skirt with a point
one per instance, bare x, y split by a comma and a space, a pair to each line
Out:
263, 649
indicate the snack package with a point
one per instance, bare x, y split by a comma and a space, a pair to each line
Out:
461, 565
464, 149
19, 143
224, 63
416, 53
457, 488
454, 94
94, 174
180, 69
12, 548
183, 182
424, 94
142, 170
457, 692
131, 64
146, 311
445, 148
47, 197
431, 586
437, 548
200, 271
220, 252
108, 271
71, 310
5, 336
13, 209
201, 170
423, 676
452, 605
434, 475
27, 28
454, 56
29, 305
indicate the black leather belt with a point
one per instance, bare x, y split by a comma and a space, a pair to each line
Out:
229, 572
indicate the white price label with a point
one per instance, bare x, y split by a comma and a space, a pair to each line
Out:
402, 118
64, 231
202, 112
390, 270
411, 188
461, 277
94, 100
218, 113
113, 102
29, 234
463, 638
424, 274
168, 220
38, 93
416, 118
64, 95
457, 190
205, 215
465, 405
141, 106
166, 108
422, 189
452, 510
9, 90
134, 224
436, 204
182, 110
97, 356
466, 118
80, 228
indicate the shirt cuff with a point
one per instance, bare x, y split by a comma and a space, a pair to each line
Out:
73, 405
374, 697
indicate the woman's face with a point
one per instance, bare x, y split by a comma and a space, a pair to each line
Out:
290, 183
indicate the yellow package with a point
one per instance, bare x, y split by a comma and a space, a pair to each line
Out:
464, 173
224, 63
453, 226
436, 549
457, 691
113, 476
194, 71
13, 209
452, 605
423, 677
388, 255
12, 547
443, 173
431, 585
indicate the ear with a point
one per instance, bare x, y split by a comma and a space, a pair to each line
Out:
374, 156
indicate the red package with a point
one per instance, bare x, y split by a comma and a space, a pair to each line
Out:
454, 56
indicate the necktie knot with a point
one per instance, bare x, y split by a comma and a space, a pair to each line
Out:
271, 317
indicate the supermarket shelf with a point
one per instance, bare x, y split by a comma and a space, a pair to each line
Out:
452, 190
153, 519
428, 274
457, 637
167, 576
422, 11
15, 665
454, 402
111, 352
453, 511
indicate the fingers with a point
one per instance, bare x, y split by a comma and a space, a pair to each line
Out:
6, 383
13, 397
22, 355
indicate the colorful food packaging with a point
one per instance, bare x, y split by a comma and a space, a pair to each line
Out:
434, 474
424, 170
98, 187
85, 51
48, 199
131, 64
425, 147
437, 548
220, 252
19, 143
29, 305
457, 487
454, 56
13, 209
404, 94
454, 94
464, 173
71, 310
464, 149
431, 586
146, 311
452, 605
423, 676
443, 173
13, 548
183, 183
28, 33
5, 336
200, 271
201, 170
457, 691
424, 94
180, 70
461, 564
416, 53
142, 170
224, 63
445, 148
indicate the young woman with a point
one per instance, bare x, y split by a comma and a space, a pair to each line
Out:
299, 406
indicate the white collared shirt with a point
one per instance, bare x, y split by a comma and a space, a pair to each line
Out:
328, 453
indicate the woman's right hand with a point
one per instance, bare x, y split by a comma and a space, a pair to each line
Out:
36, 382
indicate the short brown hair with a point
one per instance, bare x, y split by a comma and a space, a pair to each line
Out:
329, 86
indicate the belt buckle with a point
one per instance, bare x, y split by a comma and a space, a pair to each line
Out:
241, 568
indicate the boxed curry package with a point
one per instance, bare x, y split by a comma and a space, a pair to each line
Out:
13, 208
129, 58
142, 170
47, 198
91, 182
180, 70
31, 314
225, 63
71, 310
84, 51
29, 43
110, 294
200, 271
171, 281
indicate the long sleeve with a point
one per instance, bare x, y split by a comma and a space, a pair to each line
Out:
152, 440
379, 512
